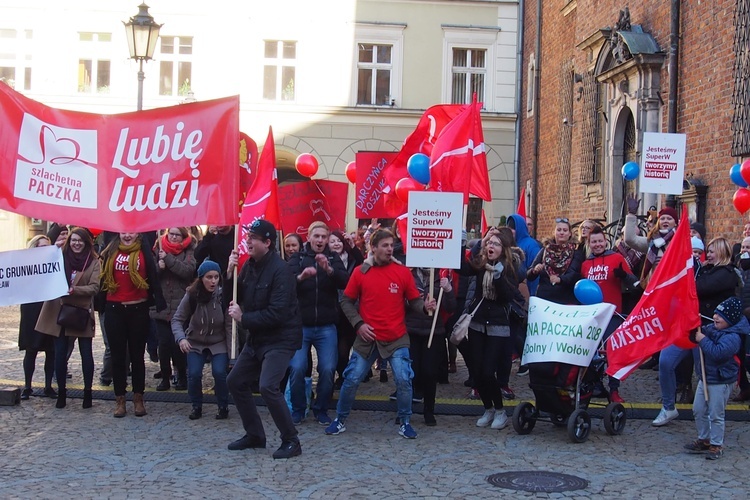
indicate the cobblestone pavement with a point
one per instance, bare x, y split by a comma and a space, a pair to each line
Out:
61, 453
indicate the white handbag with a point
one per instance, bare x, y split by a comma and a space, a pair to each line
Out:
461, 328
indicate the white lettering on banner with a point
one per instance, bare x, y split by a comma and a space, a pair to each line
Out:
136, 198
56, 165
161, 146
371, 189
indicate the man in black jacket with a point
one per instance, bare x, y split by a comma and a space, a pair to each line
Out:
320, 275
267, 307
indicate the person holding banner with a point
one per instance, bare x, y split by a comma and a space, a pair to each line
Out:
267, 307
718, 343
131, 284
205, 338
176, 268
32, 342
82, 271
498, 272
558, 265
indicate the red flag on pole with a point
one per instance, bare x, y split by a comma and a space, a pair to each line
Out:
521, 210
248, 164
458, 162
422, 140
261, 201
665, 314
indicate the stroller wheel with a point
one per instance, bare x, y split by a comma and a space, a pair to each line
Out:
558, 420
614, 419
524, 418
579, 426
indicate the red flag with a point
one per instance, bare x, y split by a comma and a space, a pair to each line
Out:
665, 314
248, 164
301, 203
422, 140
401, 223
261, 201
458, 162
521, 210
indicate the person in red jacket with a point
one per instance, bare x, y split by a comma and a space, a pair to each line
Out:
610, 271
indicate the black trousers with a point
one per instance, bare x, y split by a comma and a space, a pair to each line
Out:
127, 328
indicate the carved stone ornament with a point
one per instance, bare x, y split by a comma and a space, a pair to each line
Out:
620, 50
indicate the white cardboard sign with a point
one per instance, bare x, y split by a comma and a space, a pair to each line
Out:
662, 163
32, 275
433, 230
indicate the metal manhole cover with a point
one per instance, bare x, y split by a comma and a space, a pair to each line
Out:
537, 481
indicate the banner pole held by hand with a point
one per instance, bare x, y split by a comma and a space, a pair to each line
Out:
703, 375
432, 288
435, 317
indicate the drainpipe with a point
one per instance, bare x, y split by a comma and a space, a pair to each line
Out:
537, 110
519, 105
674, 45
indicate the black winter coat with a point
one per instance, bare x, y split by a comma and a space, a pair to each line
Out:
318, 296
267, 294
420, 324
714, 284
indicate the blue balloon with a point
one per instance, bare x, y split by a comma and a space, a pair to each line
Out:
736, 176
630, 171
418, 167
588, 292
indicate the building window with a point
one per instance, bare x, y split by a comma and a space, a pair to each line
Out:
565, 137
470, 65
531, 86
593, 129
279, 70
175, 65
378, 58
15, 58
374, 74
93, 63
468, 75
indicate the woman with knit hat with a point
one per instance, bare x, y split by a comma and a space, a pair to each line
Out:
131, 283
175, 262
205, 338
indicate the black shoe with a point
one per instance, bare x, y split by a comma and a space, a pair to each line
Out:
153, 355
158, 374
222, 414
49, 392
181, 385
429, 420
87, 399
105, 381
26, 393
246, 442
468, 382
288, 450
163, 385
61, 396
384, 376
196, 413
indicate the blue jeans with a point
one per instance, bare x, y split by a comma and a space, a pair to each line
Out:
669, 358
325, 341
709, 415
355, 373
219, 363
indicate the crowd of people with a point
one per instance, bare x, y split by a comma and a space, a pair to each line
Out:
349, 297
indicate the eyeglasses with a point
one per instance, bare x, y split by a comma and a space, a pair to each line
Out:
562, 219
75, 241
176, 235
493, 243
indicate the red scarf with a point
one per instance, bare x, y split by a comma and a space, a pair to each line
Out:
175, 248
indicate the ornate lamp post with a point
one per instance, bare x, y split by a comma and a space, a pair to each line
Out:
142, 33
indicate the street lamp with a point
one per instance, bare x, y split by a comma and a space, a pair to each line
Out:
142, 33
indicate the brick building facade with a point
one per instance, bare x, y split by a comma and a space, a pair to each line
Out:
604, 80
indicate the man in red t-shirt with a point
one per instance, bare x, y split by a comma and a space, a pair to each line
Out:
383, 288
610, 271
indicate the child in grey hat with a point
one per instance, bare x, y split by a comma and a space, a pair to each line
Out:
719, 343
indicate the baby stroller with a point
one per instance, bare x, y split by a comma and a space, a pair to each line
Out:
563, 393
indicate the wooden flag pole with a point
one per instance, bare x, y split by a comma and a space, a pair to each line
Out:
233, 348
703, 375
432, 287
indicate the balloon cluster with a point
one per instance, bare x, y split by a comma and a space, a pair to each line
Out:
740, 175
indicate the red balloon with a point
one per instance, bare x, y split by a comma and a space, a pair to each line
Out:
745, 171
306, 164
351, 172
741, 200
95, 232
405, 186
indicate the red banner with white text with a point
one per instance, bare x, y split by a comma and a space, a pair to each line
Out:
369, 198
302, 203
131, 172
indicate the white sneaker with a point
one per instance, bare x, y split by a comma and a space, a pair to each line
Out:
500, 421
487, 418
664, 417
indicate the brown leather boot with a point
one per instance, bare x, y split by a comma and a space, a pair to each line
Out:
120, 407
139, 409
